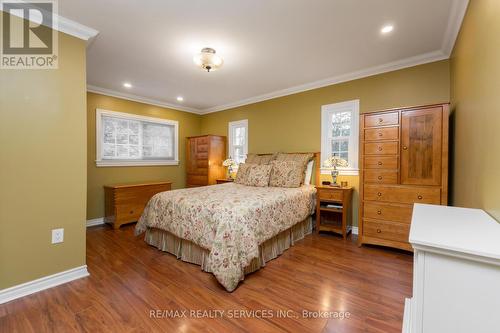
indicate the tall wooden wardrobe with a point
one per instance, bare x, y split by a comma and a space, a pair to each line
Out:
404, 160
205, 155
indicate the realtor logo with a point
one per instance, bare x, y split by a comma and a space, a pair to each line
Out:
29, 38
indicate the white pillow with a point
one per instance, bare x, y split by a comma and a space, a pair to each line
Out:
309, 171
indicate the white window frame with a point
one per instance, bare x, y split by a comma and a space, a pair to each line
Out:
231, 126
128, 116
327, 112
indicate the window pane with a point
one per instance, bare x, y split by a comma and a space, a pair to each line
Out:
109, 150
122, 126
158, 140
346, 130
126, 139
239, 136
341, 124
109, 131
133, 139
134, 152
336, 130
341, 117
340, 148
134, 127
122, 138
238, 154
121, 151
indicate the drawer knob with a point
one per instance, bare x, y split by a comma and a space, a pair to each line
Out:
380, 134
379, 212
379, 177
379, 162
380, 120
379, 148
131, 212
419, 197
379, 231
379, 194
405, 148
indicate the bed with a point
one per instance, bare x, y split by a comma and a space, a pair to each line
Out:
230, 229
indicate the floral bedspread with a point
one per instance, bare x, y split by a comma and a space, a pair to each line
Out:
229, 220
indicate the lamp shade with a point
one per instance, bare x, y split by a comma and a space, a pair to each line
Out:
208, 59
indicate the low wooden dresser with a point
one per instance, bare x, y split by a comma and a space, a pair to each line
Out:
124, 203
333, 210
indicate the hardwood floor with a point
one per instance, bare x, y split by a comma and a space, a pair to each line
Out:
129, 279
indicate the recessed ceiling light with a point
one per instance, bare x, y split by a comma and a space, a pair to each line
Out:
386, 29
127, 85
180, 98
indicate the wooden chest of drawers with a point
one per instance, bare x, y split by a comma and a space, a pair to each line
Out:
204, 157
404, 160
125, 203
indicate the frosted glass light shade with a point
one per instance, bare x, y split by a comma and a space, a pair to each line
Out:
208, 59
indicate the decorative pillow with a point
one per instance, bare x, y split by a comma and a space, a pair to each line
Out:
242, 174
287, 174
258, 175
260, 159
302, 158
253, 175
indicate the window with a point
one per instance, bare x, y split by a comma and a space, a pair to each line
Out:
125, 139
238, 140
340, 134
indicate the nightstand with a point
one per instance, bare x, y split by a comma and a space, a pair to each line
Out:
333, 210
222, 181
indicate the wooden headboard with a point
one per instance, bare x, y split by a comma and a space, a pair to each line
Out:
317, 164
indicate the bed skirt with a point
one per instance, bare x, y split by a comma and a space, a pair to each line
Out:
190, 252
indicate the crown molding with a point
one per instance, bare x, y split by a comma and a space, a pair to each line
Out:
389, 67
75, 29
66, 25
135, 98
457, 14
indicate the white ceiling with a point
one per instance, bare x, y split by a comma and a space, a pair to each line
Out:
270, 47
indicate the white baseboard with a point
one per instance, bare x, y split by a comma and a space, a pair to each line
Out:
354, 230
94, 222
407, 316
46, 282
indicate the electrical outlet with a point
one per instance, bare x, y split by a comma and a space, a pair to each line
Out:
57, 236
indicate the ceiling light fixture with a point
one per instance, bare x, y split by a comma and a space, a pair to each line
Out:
127, 85
386, 29
208, 60
180, 98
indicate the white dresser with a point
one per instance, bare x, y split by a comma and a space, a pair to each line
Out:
456, 271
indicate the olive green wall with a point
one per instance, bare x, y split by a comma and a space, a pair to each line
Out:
189, 125
475, 91
293, 123
43, 166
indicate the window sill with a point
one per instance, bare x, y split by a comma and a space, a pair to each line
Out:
345, 172
111, 163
